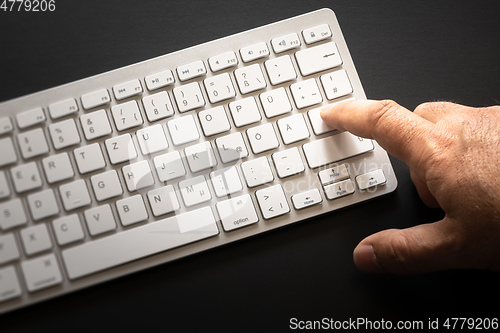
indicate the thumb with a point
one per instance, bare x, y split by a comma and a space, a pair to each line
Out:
423, 248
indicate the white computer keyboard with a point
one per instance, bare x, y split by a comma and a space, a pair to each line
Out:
175, 155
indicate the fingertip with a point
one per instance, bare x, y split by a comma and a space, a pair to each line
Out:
365, 259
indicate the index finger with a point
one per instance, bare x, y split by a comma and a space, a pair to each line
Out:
398, 130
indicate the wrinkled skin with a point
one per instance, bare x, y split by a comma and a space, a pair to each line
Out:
453, 153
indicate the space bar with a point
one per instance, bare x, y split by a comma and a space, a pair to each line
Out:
139, 242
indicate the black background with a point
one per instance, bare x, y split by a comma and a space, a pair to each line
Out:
409, 51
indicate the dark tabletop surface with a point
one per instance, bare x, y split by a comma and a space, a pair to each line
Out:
409, 51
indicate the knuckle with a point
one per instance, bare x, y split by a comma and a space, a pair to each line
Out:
398, 254
386, 108
423, 108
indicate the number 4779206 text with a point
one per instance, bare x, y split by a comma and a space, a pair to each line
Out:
28, 5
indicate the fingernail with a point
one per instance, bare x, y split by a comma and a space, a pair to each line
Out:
365, 259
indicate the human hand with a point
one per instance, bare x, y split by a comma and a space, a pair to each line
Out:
453, 153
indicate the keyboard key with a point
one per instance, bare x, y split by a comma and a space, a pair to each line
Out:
140, 242
306, 93
169, 166
64, 134
262, 138
36, 239
9, 284
293, 128
100, 220
138, 176
4, 186
26, 177
74, 195
226, 181
257, 171
306, 199
152, 139
237, 212
12, 213
158, 106
285, 43
30, 118
95, 124
191, 70
288, 162
89, 158
333, 175
183, 130
95, 98
250, 78
126, 115
9, 154
339, 189
280, 70
106, 185
189, 97
317, 33
163, 200
200, 156
318, 125
42, 204
159, 80
335, 148
318, 58
194, 191
219, 88
223, 61
58, 168
245, 111
8, 249
370, 179
131, 210
127, 89
231, 147
272, 201
33, 143
68, 229
336, 84
63, 108
214, 121
121, 149
5, 125
275, 102
41, 272
254, 51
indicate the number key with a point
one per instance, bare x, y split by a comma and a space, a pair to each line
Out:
95, 124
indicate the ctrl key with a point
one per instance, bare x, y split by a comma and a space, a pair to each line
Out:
9, 284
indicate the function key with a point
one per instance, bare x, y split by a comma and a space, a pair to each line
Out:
159, 80
95, 98
223, 61
191, 70
317, 33
5, 125
253, 52
285, 43
127, 89
63, 108
30, 117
